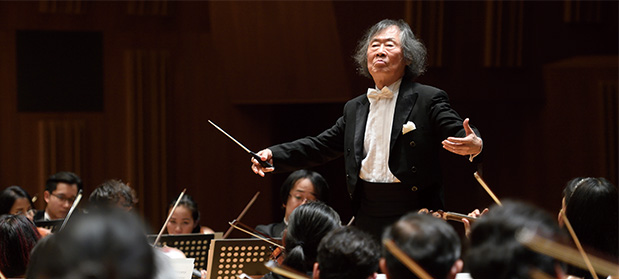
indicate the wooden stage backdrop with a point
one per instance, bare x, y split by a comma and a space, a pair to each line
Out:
124, 90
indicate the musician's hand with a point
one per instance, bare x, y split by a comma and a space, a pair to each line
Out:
471, 144
204, 274
467, 225
265, 155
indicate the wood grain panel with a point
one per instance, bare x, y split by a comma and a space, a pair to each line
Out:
147, 85
503, 34
60, 146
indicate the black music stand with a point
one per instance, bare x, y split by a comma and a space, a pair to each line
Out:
53, 225
195, 245
230, 257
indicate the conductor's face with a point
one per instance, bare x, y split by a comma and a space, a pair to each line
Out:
385, 58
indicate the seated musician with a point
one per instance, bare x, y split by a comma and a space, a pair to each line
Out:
108, 243
347, 252
496, 253
186, 218
300, 186
429, 241
308, 224
590, 204
18, 236
61, 189
15, 200
113, 193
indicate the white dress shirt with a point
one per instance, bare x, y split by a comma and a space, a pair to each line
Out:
375, 165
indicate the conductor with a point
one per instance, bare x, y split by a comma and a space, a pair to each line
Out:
390, 137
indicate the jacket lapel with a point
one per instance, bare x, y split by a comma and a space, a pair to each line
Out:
404, 105
360, 123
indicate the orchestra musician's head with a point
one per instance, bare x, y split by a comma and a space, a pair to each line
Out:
15, 200
347, 253
60, 191
308, 224
113, 193
300, 186
389, 50
105, 243
18, 236
186, 217
590, 204
496, 253
429, 241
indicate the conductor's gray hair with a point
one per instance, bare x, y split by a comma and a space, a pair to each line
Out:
413, 50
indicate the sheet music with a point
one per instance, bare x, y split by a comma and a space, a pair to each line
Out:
183, 267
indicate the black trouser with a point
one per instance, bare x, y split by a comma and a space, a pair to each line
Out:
381, 204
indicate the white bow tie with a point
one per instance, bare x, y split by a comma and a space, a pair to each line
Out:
383, 93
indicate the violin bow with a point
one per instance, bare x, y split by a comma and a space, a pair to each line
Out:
233, 224
73, 206
564, 253
483, 184
406, 260
580, 249
251, 202
352, 219
169, 216
285, 271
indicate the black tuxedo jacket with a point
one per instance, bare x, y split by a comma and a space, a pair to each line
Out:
413, 157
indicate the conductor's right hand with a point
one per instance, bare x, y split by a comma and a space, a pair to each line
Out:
265, 155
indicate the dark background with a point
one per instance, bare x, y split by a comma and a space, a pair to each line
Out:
538, 78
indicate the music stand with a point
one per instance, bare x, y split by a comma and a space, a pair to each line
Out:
230, 257
52, 225
195, 245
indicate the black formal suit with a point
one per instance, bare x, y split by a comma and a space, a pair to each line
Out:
413, 157
39, 215
275, 230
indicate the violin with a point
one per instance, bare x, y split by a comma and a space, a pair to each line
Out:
277, 249
448, 216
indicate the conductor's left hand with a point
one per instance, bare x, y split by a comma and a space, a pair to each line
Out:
471, 144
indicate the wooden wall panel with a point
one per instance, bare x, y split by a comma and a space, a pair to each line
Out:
249, 65
147, 76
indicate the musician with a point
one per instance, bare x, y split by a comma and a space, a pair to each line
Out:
60, 192
15, 200
18, 236
496, 253
347, 252
590, 204
390, 137
300, 186
309, 223
113, 193
429, 241
186, 218
105, 243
